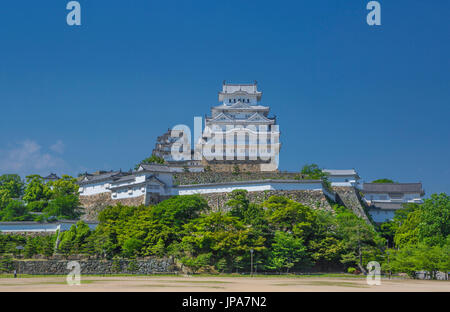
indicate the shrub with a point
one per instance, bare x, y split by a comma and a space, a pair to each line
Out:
351, 270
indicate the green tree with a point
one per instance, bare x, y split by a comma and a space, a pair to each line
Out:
384, 180
64, 207
222, 235
389, 229
242, 208
36, 189
132, 247
67, 242
287, 215
47, 245
407, 232
434, 226
5, 198
179, 210
31, 247
67, 185
151, 160
360, 240
195, 263
420, 257
75, 240
13, 184
287, 252
15, 210
312, 171
327, 250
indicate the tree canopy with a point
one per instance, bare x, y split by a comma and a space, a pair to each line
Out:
384, 180
150, 160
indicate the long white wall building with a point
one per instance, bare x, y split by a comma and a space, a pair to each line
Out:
157, 181
147, 181
384, 199
254, 186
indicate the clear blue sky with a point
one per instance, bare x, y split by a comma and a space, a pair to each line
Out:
346, 95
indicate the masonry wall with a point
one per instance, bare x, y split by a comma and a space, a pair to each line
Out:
53, 267
95, 203
184, 178
313, 199
350, 198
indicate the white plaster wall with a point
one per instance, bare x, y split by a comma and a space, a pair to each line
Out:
92, 189
342, 183
342, 179
125, 193
370, 197
249, 187
387, 198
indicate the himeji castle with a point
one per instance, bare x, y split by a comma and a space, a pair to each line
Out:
239, 136
240, 132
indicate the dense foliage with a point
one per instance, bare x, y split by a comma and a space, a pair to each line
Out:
150, 160
420, 237
384, 180
37, 200
285, 235
313, 171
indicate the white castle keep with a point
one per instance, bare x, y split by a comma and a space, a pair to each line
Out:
239, 132
240, 128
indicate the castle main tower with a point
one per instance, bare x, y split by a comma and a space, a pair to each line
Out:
248, 136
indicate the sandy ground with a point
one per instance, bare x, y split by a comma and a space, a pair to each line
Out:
229, 284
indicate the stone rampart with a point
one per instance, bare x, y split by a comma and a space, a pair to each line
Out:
120, 266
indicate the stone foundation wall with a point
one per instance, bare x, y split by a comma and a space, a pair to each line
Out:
349, 197
93, 204
313, 199
186, 178
230, 167
50, 267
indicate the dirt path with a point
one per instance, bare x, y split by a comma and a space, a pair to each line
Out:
200, 284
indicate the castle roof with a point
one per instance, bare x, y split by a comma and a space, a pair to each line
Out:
154, 168
239, 88
341, 172
393, 188
51, 176
241, 106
